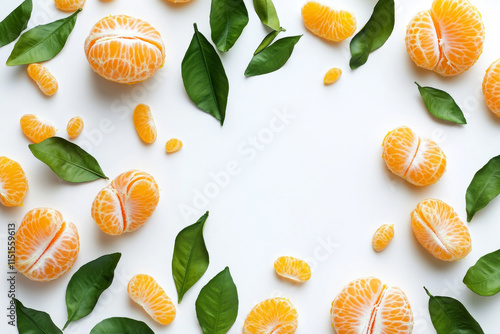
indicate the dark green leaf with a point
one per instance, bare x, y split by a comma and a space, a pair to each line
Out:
267, 13
484, 187
69, 161
374, 34
228, 18
273, 57
484, 277
87, 285
12, 26
190, 260
31, 321
268, 40
42, 42
204, 77
122, 326
217, 304
441, 104
449, 316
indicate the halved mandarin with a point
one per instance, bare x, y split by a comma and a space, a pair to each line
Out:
13, 182
293, 269
37, 129
275, 315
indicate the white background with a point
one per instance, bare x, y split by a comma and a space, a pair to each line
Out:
316, 188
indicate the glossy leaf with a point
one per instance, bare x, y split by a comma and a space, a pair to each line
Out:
484, 187
448, 316
268, 40
190, 260
69, 161
441, 104
228, 18
204, 77
484, 277
43, 42
30, 321
217, 304
273, 57
87, 285
122, 326
374, 34
14, 24
267, 13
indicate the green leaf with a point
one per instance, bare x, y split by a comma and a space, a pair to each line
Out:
484, 187
484, 277
273, 57
217, 304
12, 26
268, 40
441, 104
122, 326
69, 161
190, 260
267, 13
228, 18
42, 42
87, 285
374, 34
31, 321
204, 77
449, 316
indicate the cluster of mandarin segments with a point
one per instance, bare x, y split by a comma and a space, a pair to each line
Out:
275, 315
43, 78
419, 161
447, 39
126, 204
382, 237
173, 145
36, 129
13, 182
292, 268
491, 87
438, 229
124, 49
332, 75
69, 5
144, 123
145, 291
367, 306
46, 245
74, 127
331, 24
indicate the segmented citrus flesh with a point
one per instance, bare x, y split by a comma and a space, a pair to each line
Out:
332, 76
491, 87
144, 123
173, 145
13, 182
43, 78
275, 315
292, 268
75, 127
382, 237
69, 5
37, 129
331, 24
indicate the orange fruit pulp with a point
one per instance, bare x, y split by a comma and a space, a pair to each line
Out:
330, 24
36, 129
382, 237
144, 123
43, 78
292, 268
13, 182
275, 315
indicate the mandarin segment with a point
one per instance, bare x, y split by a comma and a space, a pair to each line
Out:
491, 88
75, 127
382, 237
275, 315
332, 76
173, 145
36, 129
13, 182
330, 24
69, 5
144, 123
292, 268
43, 78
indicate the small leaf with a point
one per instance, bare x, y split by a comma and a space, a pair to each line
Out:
42, 42
12, 26
87, 285
273, 57
122, 326
484, 187
484, 277
267, 13
441, 104
204, 77
374, 34
30, 321
448, 315
228, 18
217, 304
268, 40
190, 260
70, 162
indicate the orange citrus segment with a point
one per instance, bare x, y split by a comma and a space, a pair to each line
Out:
275, 315
144, 123
69, 5
331, 24
439, 230
37, 129
332, 76
173, 145
382, 237
292, 268
74, 127
491, 87
13, 182
43, 78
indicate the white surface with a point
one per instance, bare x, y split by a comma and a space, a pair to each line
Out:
317, 190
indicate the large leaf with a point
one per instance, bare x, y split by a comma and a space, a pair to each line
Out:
484, 187
121, 326
87, 285
12, 26
441, 104
69, 161
484, 277
30, 321
228, 18
267, 13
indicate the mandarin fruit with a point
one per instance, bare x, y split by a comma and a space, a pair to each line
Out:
173, 145
43, 78
69, 5
332, 76
74, 127
36, 129
13, 182
144, 123
275, 315
292, 268
491, 87
330, 24
382, 237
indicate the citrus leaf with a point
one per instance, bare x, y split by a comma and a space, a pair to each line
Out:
12, 26
217, 304
484, 277
30, 321
441, 104
122, 326
69, 161
484, 187
190, 260
87, 285
228, 18
374, 34
268, 40
204, 77
43, 42
267, 13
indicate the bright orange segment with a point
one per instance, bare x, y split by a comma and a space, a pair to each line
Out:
13, 182
43, 78
127, 203
332, 76
275, 315
439, 229
144, 123
292, 268
179, 1
74, 127
448, 38
367, 306
173, 145
418, 160
331, 24
124, 49
46, 246
69, 5
37, 129
145, 291
491, 87
382, 237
